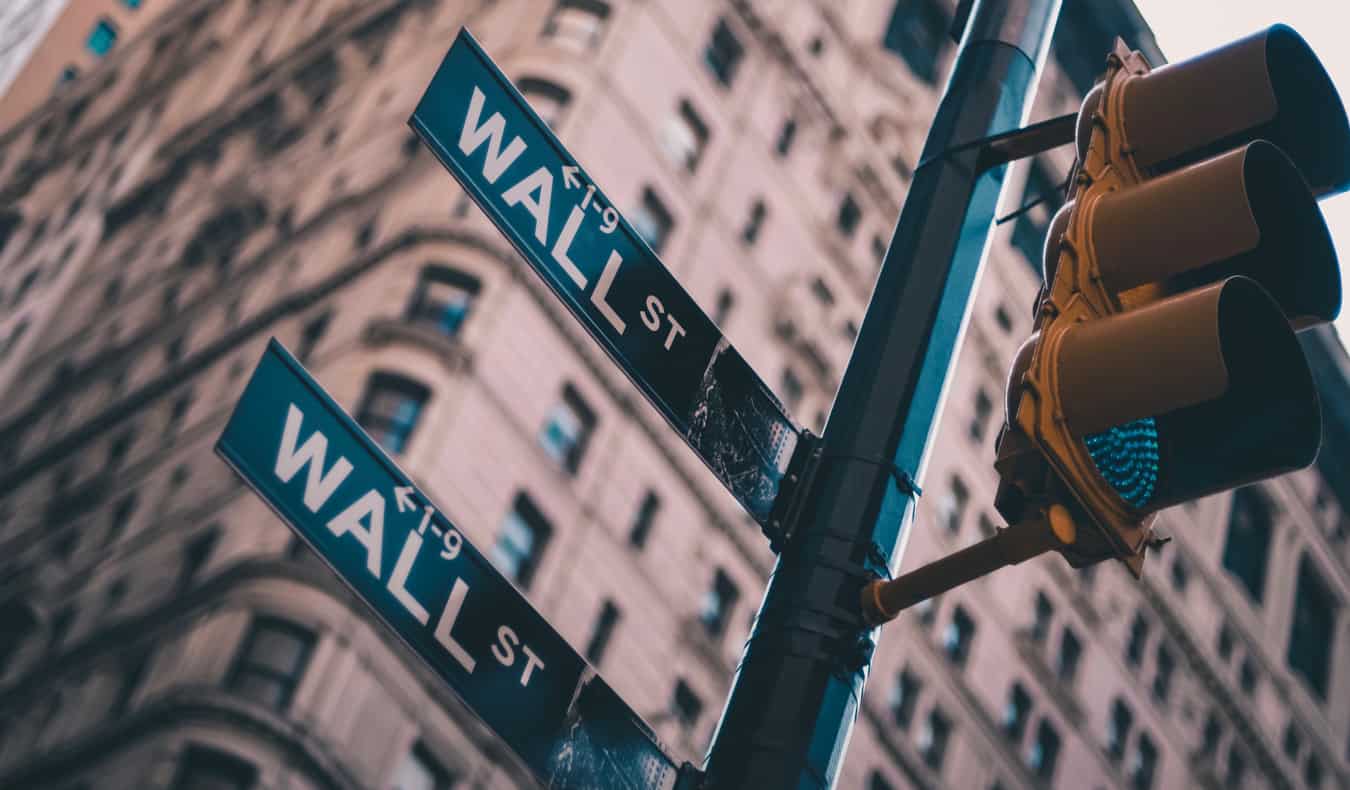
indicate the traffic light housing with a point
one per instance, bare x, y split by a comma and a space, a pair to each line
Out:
1164, 365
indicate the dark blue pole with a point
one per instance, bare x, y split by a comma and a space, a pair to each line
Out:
797, 691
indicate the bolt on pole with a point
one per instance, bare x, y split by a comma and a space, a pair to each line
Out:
799, 686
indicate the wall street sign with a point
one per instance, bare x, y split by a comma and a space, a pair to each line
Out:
508, 160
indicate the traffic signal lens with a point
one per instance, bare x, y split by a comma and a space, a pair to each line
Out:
1127, 458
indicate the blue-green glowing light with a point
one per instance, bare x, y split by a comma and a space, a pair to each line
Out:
1127, 457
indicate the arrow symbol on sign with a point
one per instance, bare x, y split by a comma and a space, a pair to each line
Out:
403, 495
570, 178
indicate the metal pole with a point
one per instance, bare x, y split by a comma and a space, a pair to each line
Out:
796, 694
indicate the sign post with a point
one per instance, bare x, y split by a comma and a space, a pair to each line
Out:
418, 573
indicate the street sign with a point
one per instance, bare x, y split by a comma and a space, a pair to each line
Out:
334, 486
511, 164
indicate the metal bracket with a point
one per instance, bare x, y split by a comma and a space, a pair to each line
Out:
1004, 147
788, 504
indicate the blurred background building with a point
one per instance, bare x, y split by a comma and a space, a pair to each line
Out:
241, 169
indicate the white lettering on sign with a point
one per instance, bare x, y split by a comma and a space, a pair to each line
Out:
363, 520
534, 194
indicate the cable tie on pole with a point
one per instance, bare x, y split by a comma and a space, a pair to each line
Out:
903, 480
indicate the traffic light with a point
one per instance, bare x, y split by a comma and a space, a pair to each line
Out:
1164, 365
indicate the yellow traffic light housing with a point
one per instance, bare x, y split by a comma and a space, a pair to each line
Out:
1164, 365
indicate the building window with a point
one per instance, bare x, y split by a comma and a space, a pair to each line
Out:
754, 222
102, 37
952, 506
1312, 772
1292, 743
724, 53
68, 75
546, 97
850, 214
577, 24
1314, 628
686, 705
653, 221
1134, 649
932, 740
1118, 728
1016, 712
443, 298
1209, 738
1044, 750
722, 310
1248, 544
1003, 319
1225, 642
271, 662
420, 771
1032, 224
195, 554
904, 696
915, 33
1045, 613
642, 522
521, 541
1144, 765
132, 4
793, 390
956, 638
390, 409
685, 137
979, 423
1162, 679
1070, 649
600, 635
786, 136
568, 430
133, 668
204, 768
718, 603
878, 782
1247, 676
1237, 768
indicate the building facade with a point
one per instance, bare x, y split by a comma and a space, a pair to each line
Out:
242, 169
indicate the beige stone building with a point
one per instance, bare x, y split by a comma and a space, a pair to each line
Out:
242, 169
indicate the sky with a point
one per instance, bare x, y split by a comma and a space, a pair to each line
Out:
1188, 27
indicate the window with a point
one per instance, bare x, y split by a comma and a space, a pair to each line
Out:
646, 516
1181, 575
577, 24
1247, 676
724, 53
1237, 768
718, 603
1003, 319
1144, 765
904, 695
1162, 679
932, 740
1292, 743
1225, 642
311, 334
68, 74
754, 222
546, 97
133, 669
1118, 728
1314, 628
793, 390
984, 408
1045, 613
604, 629
915, 33
1032, 224
786, 135
878, 782
443, 298
62, 620
195, 554
204, 768
271, 661
952, 506
1016, 712
1070, 649
685, 137
521, 541
568, 430
653, 221
956, 638
420, 771
1249, 528
722, 311
132, 4
390, 409
1044, 750
1312, 772
850, 214
18, 621
1134, 649
686, 705
1209, 739
102, 37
